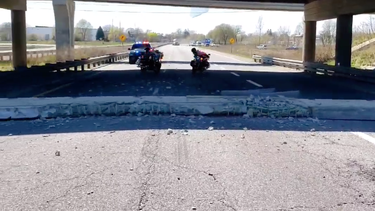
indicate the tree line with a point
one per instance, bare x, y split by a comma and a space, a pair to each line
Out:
220, 34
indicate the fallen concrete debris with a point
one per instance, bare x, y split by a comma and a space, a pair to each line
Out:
33, 108
248, 107
57, 153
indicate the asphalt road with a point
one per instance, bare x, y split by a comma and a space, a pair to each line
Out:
227, 73
134, 163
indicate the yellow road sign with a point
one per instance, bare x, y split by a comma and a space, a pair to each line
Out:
122, 38
232, 41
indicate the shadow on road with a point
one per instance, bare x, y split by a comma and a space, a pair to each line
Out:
179, 124
217, 63
180, 82
212, 63
172, 82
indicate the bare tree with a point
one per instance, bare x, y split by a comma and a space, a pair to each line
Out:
5, 31
83, 29
284, 35
366, 29
238, 32
371, 24
299, 29
328, 33
259, 28
106, 30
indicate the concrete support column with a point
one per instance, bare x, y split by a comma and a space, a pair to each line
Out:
344, 31
19, 39
64, 26
309, 42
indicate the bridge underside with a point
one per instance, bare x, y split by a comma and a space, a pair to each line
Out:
329, 9
13, 4
279, 5
285, 5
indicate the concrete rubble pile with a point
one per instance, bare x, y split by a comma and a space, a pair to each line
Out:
274, 107
248, 106
33, 108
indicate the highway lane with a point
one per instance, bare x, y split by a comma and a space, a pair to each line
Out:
226, 73
136, 163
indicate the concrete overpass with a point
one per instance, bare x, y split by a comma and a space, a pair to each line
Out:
315, 10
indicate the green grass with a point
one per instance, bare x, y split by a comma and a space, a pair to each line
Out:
79, 54
361, 39
5, 66
323, 54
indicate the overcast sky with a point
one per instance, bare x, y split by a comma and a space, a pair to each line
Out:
161, 18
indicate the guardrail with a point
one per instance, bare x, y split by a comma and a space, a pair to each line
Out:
40, 53
318, 68
79, 65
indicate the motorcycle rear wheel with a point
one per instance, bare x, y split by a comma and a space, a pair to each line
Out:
194, 70
157, 68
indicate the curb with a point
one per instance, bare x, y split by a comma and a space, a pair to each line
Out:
34, 108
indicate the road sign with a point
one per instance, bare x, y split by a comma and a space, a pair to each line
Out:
232, 41
122, 38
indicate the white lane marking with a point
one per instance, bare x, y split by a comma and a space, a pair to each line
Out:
252, 82
223, 68
155, 91
229, 57
365, 137
216, 65
235, 74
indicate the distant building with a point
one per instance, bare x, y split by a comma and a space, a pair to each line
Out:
44, 33
297, 40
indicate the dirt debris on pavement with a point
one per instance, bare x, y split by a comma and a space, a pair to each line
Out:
57, 153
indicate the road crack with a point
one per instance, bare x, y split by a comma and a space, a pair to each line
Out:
68, 191
224, 199
147, 168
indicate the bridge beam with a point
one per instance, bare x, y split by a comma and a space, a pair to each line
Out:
309, 41
64, 26
329, 9
344, 31
19, 39
13, 4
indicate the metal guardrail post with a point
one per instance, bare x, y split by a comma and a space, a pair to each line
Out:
314, 68
48, 67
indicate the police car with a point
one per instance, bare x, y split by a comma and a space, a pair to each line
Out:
137, 50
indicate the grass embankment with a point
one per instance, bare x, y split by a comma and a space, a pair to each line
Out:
79, 54
361, 58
